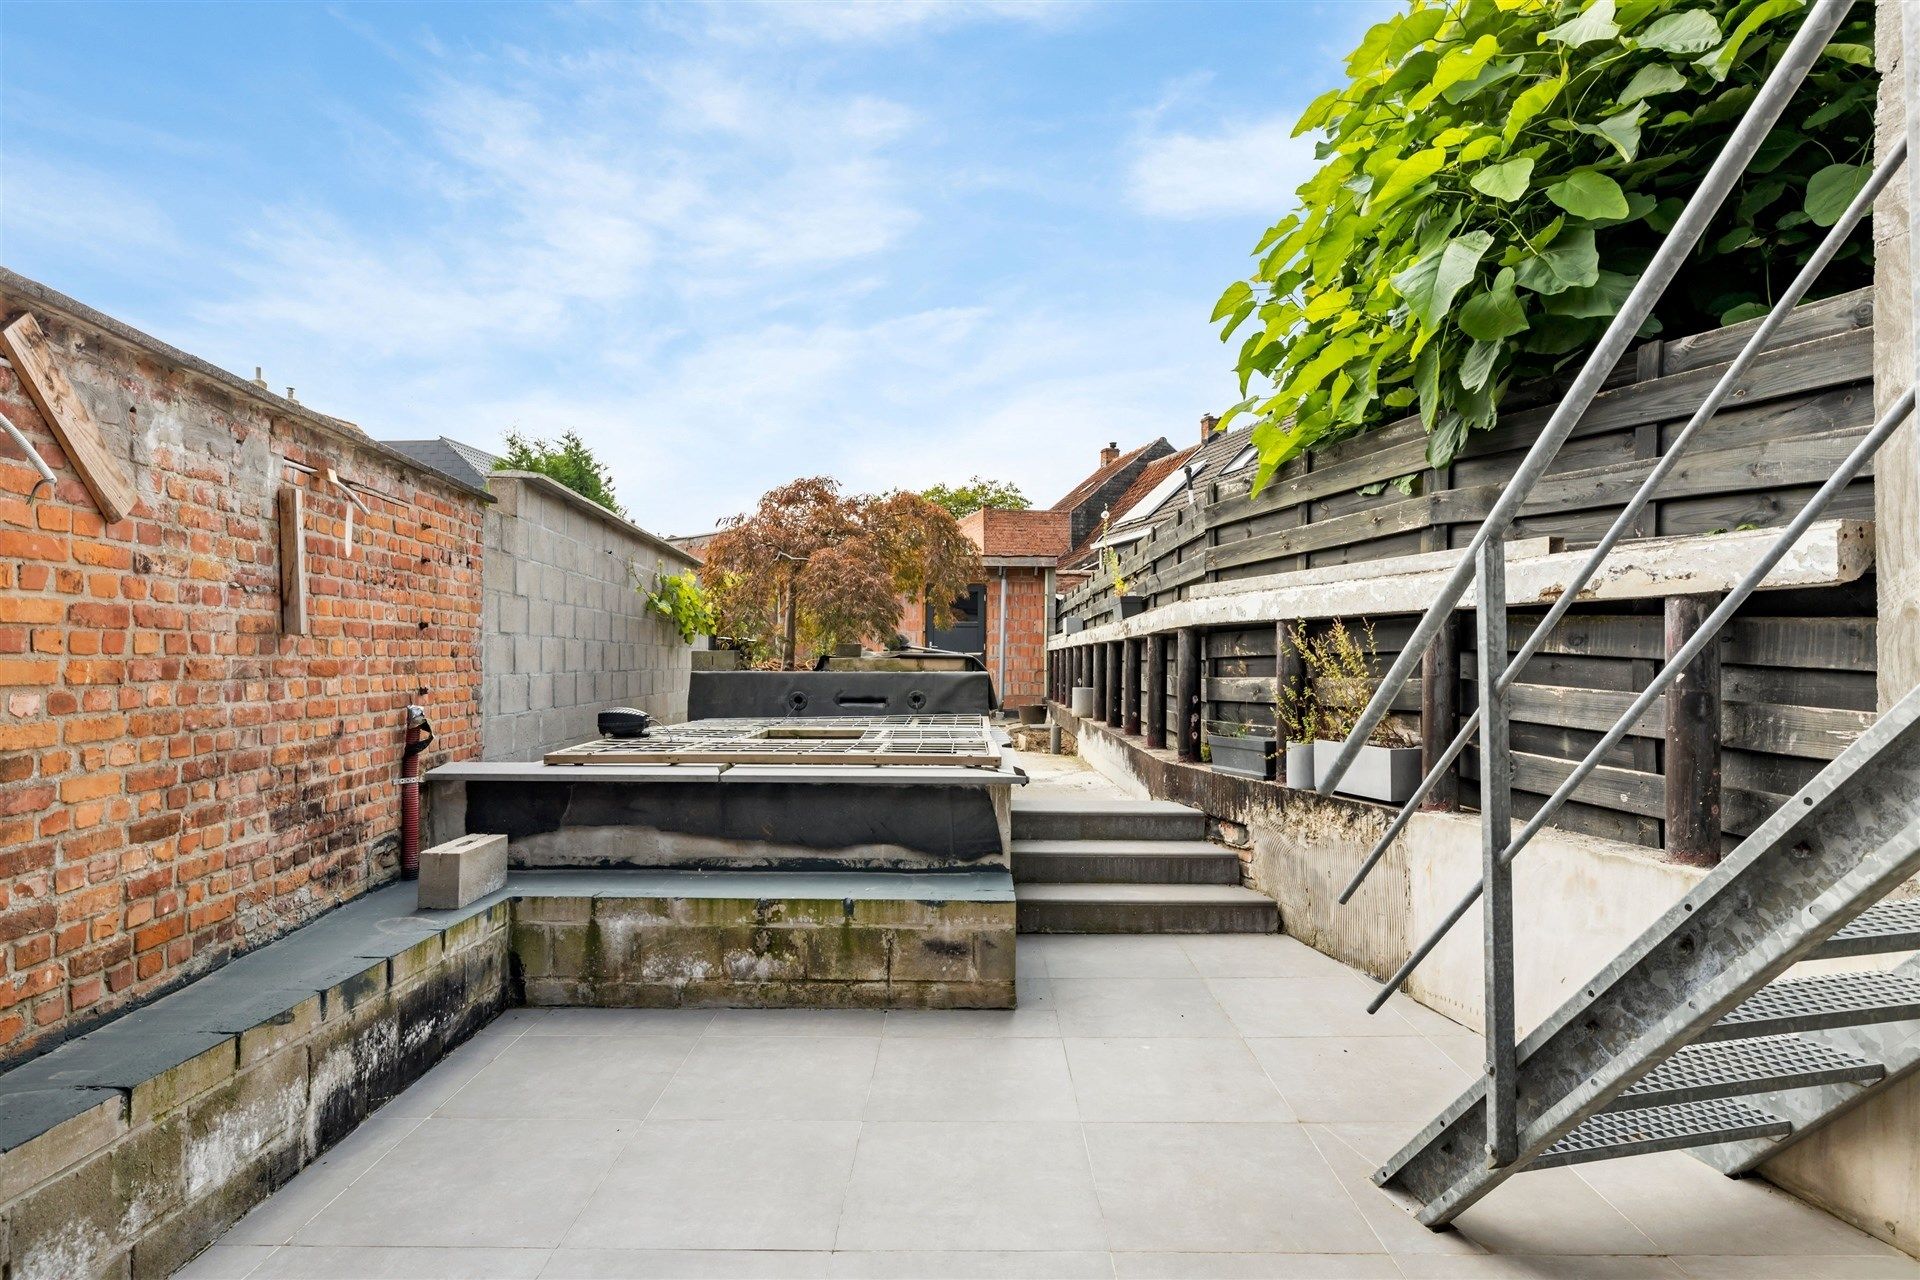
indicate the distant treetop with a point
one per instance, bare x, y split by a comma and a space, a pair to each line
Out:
964, 499
567, 460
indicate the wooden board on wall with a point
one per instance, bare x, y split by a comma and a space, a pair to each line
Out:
293, 561
79, 435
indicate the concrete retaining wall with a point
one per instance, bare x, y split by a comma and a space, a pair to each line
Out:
140, 1178
567, 627
766, 953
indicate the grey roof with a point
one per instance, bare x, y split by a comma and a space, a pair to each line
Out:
449, 457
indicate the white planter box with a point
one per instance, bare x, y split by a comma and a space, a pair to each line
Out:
1386, 774
1300, 773
1080, 702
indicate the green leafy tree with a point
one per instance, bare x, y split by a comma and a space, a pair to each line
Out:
1494, 179
567, 460
964, 499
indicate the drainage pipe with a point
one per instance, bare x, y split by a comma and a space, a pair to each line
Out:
33, 456
419, 734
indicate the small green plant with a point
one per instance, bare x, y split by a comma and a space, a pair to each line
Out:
567, 460
1340, 676
680, 598
1297, 709
1111, 560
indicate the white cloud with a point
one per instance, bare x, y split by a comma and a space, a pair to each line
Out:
874, 21
1249, 167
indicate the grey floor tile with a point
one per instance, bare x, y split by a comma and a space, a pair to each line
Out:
1000, 1079
797, 1022
448, 1076
772, 1078
276, 1219
1896, 1266
1536, 1266
687, 1264
1168, 1078
966, 1265
1230, 1188
457, 1183
1105, 1008
1116, 956
1469, 1051
362, 1262
712, 1184
1305, 1007
607, 1022
1254, 1266
972, 1024
225, 1262
1250, 955
984, 1186
571, 1077
1684, 1206
1369, 1079
1392, 1221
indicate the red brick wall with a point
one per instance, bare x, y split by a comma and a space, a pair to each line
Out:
1026, 608
178, 779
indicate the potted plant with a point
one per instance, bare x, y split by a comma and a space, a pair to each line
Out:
1299, 719
1340, 672
1129, 605
1242, 749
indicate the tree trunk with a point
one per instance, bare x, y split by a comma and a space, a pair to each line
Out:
792, 642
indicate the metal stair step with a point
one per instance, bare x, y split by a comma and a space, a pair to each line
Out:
1733, 1068
1812, 1004
1143, 908
1124, 862
1887, 927
1613, 1134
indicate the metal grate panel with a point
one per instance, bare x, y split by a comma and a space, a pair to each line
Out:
942, 739
1890, 926
1810, 1004
1613, 1134
1734, 1067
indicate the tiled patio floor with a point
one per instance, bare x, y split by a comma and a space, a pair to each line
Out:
1156, 1107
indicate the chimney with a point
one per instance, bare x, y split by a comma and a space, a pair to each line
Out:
1110, 453
1207, 423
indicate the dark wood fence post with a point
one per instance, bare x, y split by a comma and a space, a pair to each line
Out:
1693, 739
1130, 686
1156, 695
1186, 684
1110, 700
1440, 713
1097, 677
1289, 678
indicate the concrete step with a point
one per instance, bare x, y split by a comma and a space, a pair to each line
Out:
1124, 862
1073, 817
1143, 908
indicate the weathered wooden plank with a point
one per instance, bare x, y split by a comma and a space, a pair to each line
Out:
1692, 755
1155, 694
73, 426
1186, 693
293, 561
1806, 322
1848, 690
1406, 515
1612, 636
1815, 733
1806, 460
1130, 685
1833, 644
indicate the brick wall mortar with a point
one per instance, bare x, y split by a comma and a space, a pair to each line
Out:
179, 780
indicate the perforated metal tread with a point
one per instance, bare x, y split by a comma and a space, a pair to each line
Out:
1890, 926
1732, 1068
1810, 1004
1613, 1134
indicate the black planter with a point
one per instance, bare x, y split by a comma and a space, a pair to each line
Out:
1242, 755
1131, 605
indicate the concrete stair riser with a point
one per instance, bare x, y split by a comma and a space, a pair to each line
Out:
1124, 862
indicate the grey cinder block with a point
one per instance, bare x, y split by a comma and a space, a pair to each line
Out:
459, 871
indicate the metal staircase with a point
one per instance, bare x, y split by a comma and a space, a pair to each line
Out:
1694, 1037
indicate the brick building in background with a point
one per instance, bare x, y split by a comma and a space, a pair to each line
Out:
1006, 619
180, 776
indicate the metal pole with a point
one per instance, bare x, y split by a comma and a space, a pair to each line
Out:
1754, 126
1496, 826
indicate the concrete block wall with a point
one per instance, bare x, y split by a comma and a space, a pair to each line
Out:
567, 627
180, 778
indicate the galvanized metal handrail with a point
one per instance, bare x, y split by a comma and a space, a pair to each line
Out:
1761, 115
1849, 469
1756, 343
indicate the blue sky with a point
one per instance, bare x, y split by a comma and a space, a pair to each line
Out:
730, 244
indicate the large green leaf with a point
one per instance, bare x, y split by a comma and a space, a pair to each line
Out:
1620, 130
1506, 181
1595, 22
1529, 103
1495, 314
1478, 364
1832, 189
1429, 286
1407, 175
1587, 194
1650, 81
1571, 263
1236, 293
1692, 31
1719, 62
